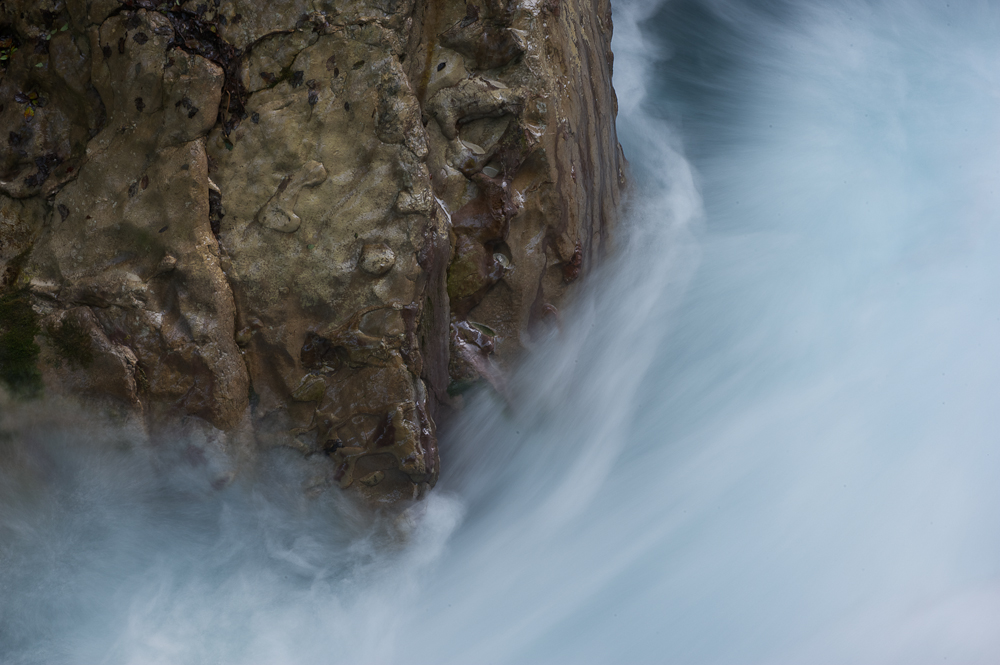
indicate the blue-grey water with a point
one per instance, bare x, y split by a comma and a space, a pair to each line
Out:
768, 433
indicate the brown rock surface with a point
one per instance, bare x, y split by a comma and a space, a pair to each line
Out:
299, 223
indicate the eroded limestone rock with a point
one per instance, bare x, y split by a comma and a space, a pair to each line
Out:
279, 211
300, 223
377, 259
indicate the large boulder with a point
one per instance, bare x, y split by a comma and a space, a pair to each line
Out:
302, 224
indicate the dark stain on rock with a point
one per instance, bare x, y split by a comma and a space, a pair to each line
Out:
385, 433
471, 15
571, 269
139, 104
215, 212
18, 350
186, 103
195, 35
71, 342
488, 41
480, 227
140, 38
63, 211
318, 351
44, 166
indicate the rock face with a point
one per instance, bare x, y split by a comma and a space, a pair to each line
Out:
303, 223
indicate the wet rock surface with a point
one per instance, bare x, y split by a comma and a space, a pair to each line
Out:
302, 224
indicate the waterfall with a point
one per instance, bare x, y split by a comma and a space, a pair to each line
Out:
766, 432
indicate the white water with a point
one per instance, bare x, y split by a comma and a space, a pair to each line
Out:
768, 435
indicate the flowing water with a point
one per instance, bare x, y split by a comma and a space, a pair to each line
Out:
766, 434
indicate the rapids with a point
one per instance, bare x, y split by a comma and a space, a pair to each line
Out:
767, 433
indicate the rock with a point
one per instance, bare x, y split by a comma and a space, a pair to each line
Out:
20, 225
86, 361
49, 108
303, 223
372, 479
377, 259
268, 58
485, 40
278, 213
311, 389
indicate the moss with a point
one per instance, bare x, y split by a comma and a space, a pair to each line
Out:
18, 350
461, 386
72, 343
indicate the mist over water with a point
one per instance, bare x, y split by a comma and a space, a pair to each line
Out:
767, 433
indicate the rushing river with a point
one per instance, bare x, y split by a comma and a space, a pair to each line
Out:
769, 433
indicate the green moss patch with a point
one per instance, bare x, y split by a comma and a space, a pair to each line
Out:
456, 388
72, 343
18, 350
